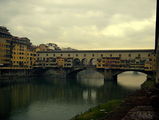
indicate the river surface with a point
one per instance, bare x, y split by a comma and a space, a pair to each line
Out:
52, 98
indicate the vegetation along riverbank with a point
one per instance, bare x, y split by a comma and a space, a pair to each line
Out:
141, 105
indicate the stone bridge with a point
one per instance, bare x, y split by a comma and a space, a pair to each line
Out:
107, 74
108, 62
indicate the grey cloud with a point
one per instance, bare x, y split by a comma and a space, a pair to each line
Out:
48, 20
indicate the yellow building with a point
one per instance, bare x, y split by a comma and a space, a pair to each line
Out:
108, 63
5, 47
100, 63
136, 64
150, 63
68, 62
23, 55
60, 62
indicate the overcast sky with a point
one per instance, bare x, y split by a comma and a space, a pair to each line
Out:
82, 24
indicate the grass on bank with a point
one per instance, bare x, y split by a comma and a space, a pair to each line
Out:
98, 111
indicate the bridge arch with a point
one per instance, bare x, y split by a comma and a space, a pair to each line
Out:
131, 80
84, 61
123, 71
148, 73
113, 74
76, 62
92, 62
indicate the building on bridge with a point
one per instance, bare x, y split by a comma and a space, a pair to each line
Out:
101, 59
127, 64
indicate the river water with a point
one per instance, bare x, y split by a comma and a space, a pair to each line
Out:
52, 98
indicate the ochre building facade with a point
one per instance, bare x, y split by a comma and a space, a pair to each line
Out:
15, 52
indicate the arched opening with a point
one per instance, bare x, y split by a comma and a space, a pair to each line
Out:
131, 79
90, 77
92, 62
76, 62
84, 62
53, 59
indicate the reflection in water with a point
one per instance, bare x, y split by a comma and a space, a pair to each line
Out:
89, 95
56, 99
89, 78
131, 80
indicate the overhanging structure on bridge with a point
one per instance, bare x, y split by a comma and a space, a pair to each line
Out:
107, 59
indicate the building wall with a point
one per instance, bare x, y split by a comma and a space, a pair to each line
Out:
15, 52
147, 55
157, 64
22, 57
90, 55
5, 47
157, 42
3, 51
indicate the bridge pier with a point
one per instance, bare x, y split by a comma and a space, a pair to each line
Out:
151, 76
72, 72
108, 75
71, 75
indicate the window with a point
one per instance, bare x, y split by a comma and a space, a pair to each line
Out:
61, 54
92, 55
139, 55
46, 54
119, 55
101, 55
69, 55
110, 55
129, 55
76, 55
84, 55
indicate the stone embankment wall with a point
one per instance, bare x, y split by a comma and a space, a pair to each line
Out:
15, 73
32, 73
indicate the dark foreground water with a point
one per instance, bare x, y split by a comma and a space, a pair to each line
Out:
60, 99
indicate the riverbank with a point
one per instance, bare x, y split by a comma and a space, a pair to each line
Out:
99, 111
141, 105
